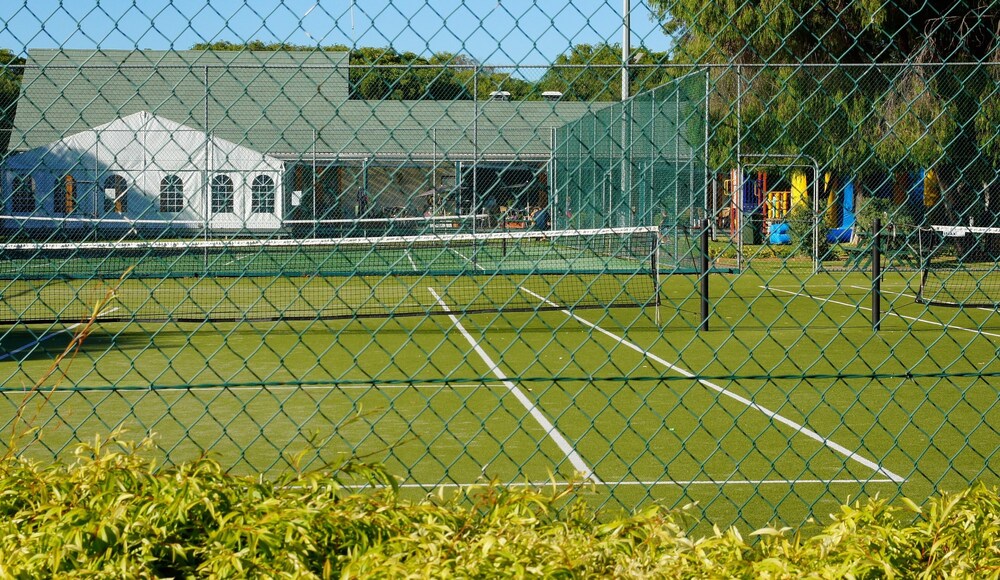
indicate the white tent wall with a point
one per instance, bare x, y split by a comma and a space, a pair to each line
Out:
143, 149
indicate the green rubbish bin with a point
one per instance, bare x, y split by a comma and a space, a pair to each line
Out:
751, 228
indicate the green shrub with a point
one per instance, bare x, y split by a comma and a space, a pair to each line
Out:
900, 217
114, 514
800, 229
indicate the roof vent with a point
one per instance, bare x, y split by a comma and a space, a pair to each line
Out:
552, 95
500, 95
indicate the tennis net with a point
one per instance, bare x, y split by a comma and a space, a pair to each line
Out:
960, 266
119, 226
253, 279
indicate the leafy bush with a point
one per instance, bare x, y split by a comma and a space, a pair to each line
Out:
800, 229
890, 212
113, 513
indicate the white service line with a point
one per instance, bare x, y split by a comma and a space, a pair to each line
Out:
905, 295
574, 457
890, 313
914, 296
45, 337
723, 391
236, 260
466, 258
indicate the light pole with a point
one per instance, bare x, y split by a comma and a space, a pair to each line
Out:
626, 45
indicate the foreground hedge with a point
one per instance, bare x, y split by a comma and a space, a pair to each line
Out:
113, 514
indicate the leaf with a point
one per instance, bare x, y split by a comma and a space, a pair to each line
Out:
910, 505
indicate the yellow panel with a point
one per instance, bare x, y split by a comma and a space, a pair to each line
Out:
932, 189
800, 188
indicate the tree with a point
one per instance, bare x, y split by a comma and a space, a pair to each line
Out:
11, 69
586, 73
593, 72
379, 73
869, 115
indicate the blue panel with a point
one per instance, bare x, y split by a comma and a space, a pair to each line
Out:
915, 189
839, 235
848, 218
779, 234
751, 203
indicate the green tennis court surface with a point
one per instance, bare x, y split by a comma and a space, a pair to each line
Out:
776, 414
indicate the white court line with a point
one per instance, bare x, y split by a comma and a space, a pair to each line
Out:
374, 386
236, 259
659, 482
574, 457
466, 258
889, 313
45, 337
914, 296
851, 455
273, 388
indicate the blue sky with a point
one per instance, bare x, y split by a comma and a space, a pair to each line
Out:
497, 32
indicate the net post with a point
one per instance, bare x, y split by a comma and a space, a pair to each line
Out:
654, 266
876, 274
703, 272
923, 264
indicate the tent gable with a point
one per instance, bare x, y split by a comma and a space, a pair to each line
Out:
141, 141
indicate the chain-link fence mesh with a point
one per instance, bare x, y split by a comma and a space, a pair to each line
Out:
475, 261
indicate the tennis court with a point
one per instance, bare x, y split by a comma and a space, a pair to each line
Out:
667, 294
758, 419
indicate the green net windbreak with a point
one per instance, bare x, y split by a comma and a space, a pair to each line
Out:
640, 162
442, 236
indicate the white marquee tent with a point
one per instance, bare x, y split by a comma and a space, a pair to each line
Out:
145, 170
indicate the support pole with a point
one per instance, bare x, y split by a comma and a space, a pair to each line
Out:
877, 274
703, 272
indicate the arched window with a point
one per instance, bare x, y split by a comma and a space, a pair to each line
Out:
24, 194
171, 194
115, 194
262, 194
64, 195
222, 194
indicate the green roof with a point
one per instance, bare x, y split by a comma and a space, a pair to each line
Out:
460, 129
273, 102
67, 91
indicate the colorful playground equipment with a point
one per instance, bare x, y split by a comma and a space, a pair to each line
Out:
759, 206
759, 209
841, 234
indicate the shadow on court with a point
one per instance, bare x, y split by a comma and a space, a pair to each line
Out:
26, 344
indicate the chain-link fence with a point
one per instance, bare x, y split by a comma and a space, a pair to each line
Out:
474, 265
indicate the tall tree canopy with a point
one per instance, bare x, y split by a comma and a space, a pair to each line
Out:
593, 72
383, 73
913, 90
11, 68
584, 73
